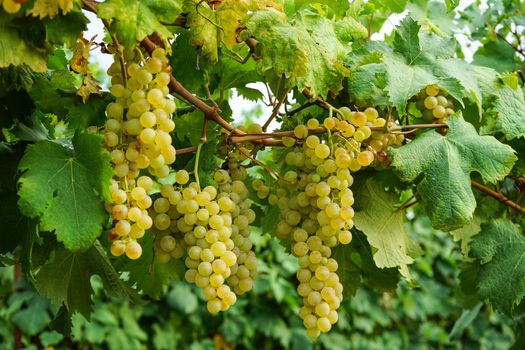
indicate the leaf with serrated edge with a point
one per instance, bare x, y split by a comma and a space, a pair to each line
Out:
500, 248
134, 20
510, 106
65, 189
383, 226
446, 163
66, 278
308, 59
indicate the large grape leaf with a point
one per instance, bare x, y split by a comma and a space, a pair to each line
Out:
65, 187
65, 278
445, 164
307, 58
382, 224
134, 20
510, 106
500, 249
15, 48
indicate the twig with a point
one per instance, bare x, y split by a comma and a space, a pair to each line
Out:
518, 50
270, 170
275, 110
498, 196
298, 109
185, 150
91, 6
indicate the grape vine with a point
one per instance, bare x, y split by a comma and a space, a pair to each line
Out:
156, 175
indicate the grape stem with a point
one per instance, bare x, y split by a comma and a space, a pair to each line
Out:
270, 170
498, 196
275, 110
196, 166
90, 6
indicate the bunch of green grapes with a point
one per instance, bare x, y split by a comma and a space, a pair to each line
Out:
212, 227
434, 104
137, 135
12, 6
316, 201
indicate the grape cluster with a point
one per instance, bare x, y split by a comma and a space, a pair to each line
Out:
434, 104
11, 6
137, 135
212, 227
315, 202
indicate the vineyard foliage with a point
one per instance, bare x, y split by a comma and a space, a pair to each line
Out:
385, 169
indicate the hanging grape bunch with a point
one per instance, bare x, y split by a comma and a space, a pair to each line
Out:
434, 104
137, 135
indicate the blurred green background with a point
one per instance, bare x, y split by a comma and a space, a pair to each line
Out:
425, 315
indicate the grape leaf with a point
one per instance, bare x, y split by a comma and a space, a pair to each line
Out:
404, 81
204, 31
510, 106
134, 20
407, 40
50, 8
445, 163
500, 248
465, 234
150, 275
65, 278
308, 59
16, 50
382, 224
357, 267
65, 187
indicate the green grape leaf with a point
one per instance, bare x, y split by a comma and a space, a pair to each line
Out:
510, 106
306, 58
150, 275
382, 224
65, 278
357, 267
445, 164
497, 55
64, 187
16, 50
404, 81
500, 248
132, 20
406, 40
465, 234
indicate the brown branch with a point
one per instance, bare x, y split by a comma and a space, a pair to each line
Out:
185, 150
498, 196
270, 170
275, 110
322, 130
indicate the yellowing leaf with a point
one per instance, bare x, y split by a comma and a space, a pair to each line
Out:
307, 58
79, 61
50, 8
89, 86
133, 20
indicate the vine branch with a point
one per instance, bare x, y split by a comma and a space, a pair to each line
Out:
498, 196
